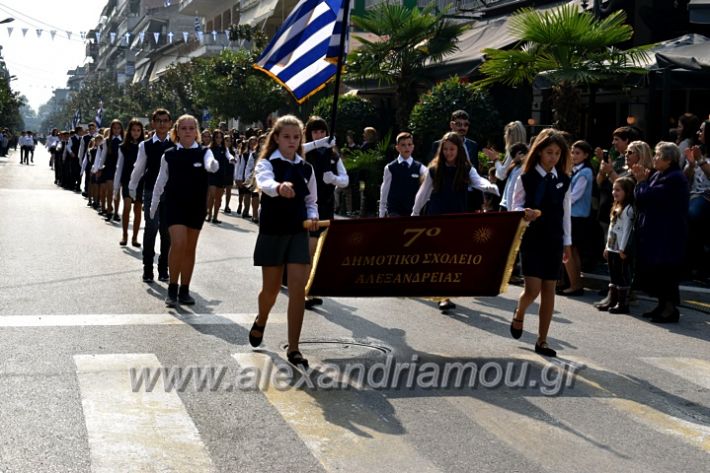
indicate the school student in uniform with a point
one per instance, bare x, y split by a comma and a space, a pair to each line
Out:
217, 180
183, 179
51, 145
401, 180
106, 165
229, 172
445, 189
83, 153
289, 198
330, 174
145, 170
543, 193
127, 155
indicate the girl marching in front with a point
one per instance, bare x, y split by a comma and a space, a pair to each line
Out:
289, 198
616, 251
183, 177
542, 192
127, 154
445, 188
330, 173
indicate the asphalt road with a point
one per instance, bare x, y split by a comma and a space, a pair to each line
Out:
76, 320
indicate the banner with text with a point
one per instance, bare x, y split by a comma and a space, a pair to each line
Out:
441, 256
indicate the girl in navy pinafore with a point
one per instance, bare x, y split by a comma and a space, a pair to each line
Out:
542, 192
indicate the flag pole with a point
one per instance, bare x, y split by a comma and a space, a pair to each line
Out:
338, 72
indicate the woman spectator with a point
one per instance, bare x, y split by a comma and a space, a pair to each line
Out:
697, 171
662, 208
687, 130
514, 132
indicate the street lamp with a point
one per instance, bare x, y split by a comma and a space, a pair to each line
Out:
7, 20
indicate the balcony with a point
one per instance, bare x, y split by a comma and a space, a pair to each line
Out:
205, 8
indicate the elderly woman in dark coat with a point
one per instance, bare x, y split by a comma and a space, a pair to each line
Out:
662, 209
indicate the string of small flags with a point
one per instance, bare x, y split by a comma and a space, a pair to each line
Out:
128, 39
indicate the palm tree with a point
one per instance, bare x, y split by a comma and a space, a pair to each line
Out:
408, 38
564, 47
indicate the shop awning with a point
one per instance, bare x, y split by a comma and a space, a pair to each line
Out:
699, 11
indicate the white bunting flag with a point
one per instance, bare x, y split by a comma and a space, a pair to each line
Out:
10, 29
170, 37
113, 37
39, 32
184, 36
98, 37
141, 36
157, 37
214, 36
24, 32
201, 37
226, 33
128, 38
53, 33
68, 34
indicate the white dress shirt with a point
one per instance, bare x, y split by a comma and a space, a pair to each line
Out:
269, 186
139, 166
476, 182
211, 165
519, 204
387, 182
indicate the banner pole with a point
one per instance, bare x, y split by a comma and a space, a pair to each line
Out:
338, 72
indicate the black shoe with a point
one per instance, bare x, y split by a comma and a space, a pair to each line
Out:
296, 359
135, 243
172, 299
214, 220
184, 296
317, 300
665, 317
254, 340
227, 210
310, 304
163, 276
653, 312
116, 218
246, 215
541, 348
89, 204
147, 274
446, 305
108, 217
516, 332
123, 242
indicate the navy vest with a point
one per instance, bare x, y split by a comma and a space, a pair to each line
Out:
111, 155
546, 195
279, 215
130, 153
187, 181
153, 153
404, 187
86, 139
75, 142
220, 155
447, 199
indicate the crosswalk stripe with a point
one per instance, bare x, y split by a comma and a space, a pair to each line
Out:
135, 431
88, 320
690, 432
312, 415
695, 370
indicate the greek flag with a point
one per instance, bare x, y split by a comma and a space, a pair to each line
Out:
76, 119
302, 54
99, 114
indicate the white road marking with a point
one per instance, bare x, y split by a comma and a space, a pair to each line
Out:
135, 431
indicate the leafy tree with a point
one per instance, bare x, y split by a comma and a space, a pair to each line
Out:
566, 48
431, 115
409, 38
354, 113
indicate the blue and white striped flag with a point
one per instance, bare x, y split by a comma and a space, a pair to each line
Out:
302, 54
76, 119
99, 114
